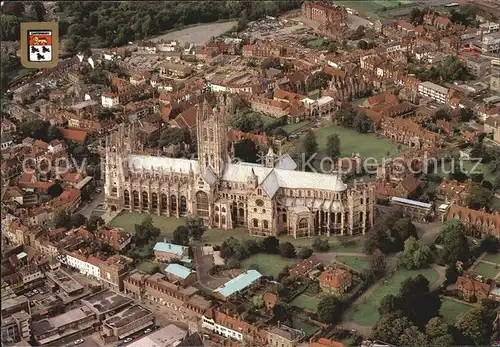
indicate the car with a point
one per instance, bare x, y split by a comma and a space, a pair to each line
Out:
77, 342
36, 291
147, 331
127, 340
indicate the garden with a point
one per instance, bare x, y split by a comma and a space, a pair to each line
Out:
450, 309
306, 302
267, 264
486, 269
365, 312
358, 263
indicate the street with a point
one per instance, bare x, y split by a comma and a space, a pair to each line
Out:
88, 208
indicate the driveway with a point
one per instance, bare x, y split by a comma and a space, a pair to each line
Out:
203, 265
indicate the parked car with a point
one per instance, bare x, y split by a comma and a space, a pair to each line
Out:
77, 342
147, 331
127, 340
36, 291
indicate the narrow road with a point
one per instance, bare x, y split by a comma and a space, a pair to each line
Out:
87, 209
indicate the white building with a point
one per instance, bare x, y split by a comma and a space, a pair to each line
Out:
489, 26
433, 91
109, 100
490, 43
209, 323
82, 264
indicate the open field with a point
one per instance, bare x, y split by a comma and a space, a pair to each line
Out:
268, 264
450, 309
365, 312
486, 269
367, 145
198, 34
306, 302
358, 263
494, 258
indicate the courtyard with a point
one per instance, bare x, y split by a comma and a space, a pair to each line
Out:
267, 264
358, 263
367, 145
364, 312
450, 309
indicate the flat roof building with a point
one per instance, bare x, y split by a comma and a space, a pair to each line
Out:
238, 284
106, 301
127, 322
67, 283
168, 336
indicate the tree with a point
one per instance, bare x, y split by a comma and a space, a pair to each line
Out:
333, 146
246, 122
146, 231
61, 218
466, 114
362, 123
181, 236
319, 80
451, 274
416, 255
287, 250
257, 301
242, 21
251, 246
304, 252
246, 150
332, 47
320, 245
413, 337
93, 223
281, 313
227, 249
328, 309
389, 304
271, 245
490, 244
474, 327
389, 328
417, 302
55, 190
196, 227
378, 264
439, 332
479, 198
416, 16
76, 220
309, 146
455, 245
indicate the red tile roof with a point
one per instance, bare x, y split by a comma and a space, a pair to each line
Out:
74, 135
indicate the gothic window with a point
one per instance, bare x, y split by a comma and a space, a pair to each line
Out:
303, 223
255, 223
216, 218
216, 208
173, 203
145, 199
242, 212
126, 197
154, 200
183, 205
263, 210
135, 196
223, 219
164, 202
284, 217
202, 204
259, 202
265, 223
223, 209
114, 191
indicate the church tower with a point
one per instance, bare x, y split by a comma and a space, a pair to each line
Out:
211, 127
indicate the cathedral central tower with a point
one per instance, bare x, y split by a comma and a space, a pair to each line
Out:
211, 127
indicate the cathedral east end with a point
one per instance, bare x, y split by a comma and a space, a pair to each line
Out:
269, 199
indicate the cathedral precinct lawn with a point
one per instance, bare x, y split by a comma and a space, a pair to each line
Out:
367, 145
450, 309
486, 269
128, 220
268, 264
290, 128
365, 312
356, 262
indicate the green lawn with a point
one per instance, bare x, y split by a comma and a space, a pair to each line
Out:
494, 258
97, 213
367, 145
290, 128
358, 263
467, 168
315, 43
306, 302
365, 312
496, 204
485, 269
268, 264
451, 309
127, 221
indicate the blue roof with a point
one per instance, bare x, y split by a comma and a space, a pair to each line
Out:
411, 202
238, 283
169, 248
178, 270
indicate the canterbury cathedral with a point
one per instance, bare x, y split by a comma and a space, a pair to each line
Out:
271, 198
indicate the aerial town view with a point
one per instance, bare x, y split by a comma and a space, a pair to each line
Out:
281, 173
